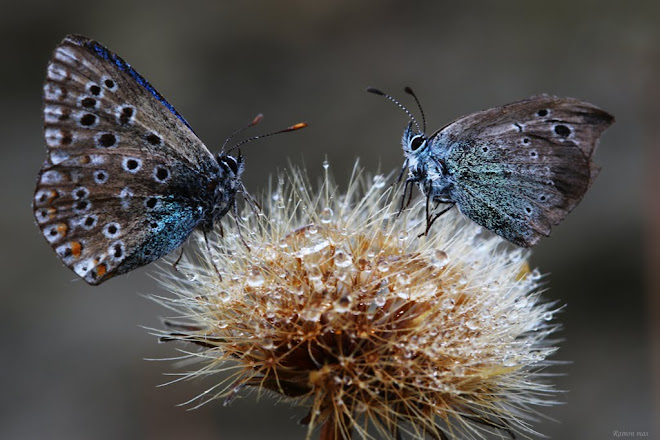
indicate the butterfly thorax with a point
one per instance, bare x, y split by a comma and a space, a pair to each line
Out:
227, 184
426, 164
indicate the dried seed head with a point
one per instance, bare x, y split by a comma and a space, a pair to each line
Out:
336, 304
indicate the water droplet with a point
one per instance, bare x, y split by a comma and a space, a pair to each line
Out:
471, 324
326, 164
342, 259
547, 316
311, 314
318, 244
403, 279
516, 256
535, 275
255, 278
439, 259
383, 266
269, 254
326, 215
536, 356
380, 300
342, 274
520, 303
267, 344
509, 361
403, 235
298, 290
379, 181
343, 304
513, 316
448, 303
314, 273
275, 196
403, 294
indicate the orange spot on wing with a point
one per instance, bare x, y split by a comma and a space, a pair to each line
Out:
61, 229
52, 195
76, 249
101, 269
50, 212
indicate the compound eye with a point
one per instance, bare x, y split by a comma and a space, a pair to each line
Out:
231, 163
416, 142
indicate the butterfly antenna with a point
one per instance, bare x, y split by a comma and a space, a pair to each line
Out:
410, 115
409, 91
254, 122
294, 127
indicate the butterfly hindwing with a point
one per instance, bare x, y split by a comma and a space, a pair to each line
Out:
520, 169
126, 180
499, 186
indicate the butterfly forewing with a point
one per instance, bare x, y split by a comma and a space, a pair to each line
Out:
126, 180
521, 168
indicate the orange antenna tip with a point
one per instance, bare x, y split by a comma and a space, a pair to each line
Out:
257, 119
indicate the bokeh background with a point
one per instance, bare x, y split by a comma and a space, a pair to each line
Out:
72, 360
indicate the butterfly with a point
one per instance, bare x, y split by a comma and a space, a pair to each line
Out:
126, 180
516, 170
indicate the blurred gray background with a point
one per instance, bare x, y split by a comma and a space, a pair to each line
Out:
72, 362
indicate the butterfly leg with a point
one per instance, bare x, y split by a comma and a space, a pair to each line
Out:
403, 169
251, 201
427, 213
430, 219
176, 263
404, 205
436, 216
208, 249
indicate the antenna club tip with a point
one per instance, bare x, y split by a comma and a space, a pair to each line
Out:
299, 125
375, 91
257, 119
408, 90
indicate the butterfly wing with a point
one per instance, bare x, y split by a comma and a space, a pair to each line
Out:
126, 180
521, 168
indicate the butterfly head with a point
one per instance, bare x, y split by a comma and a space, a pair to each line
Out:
414, 142
232, 167
416, 151
226, 186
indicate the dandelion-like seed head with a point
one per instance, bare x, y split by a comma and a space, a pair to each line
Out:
330, 299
